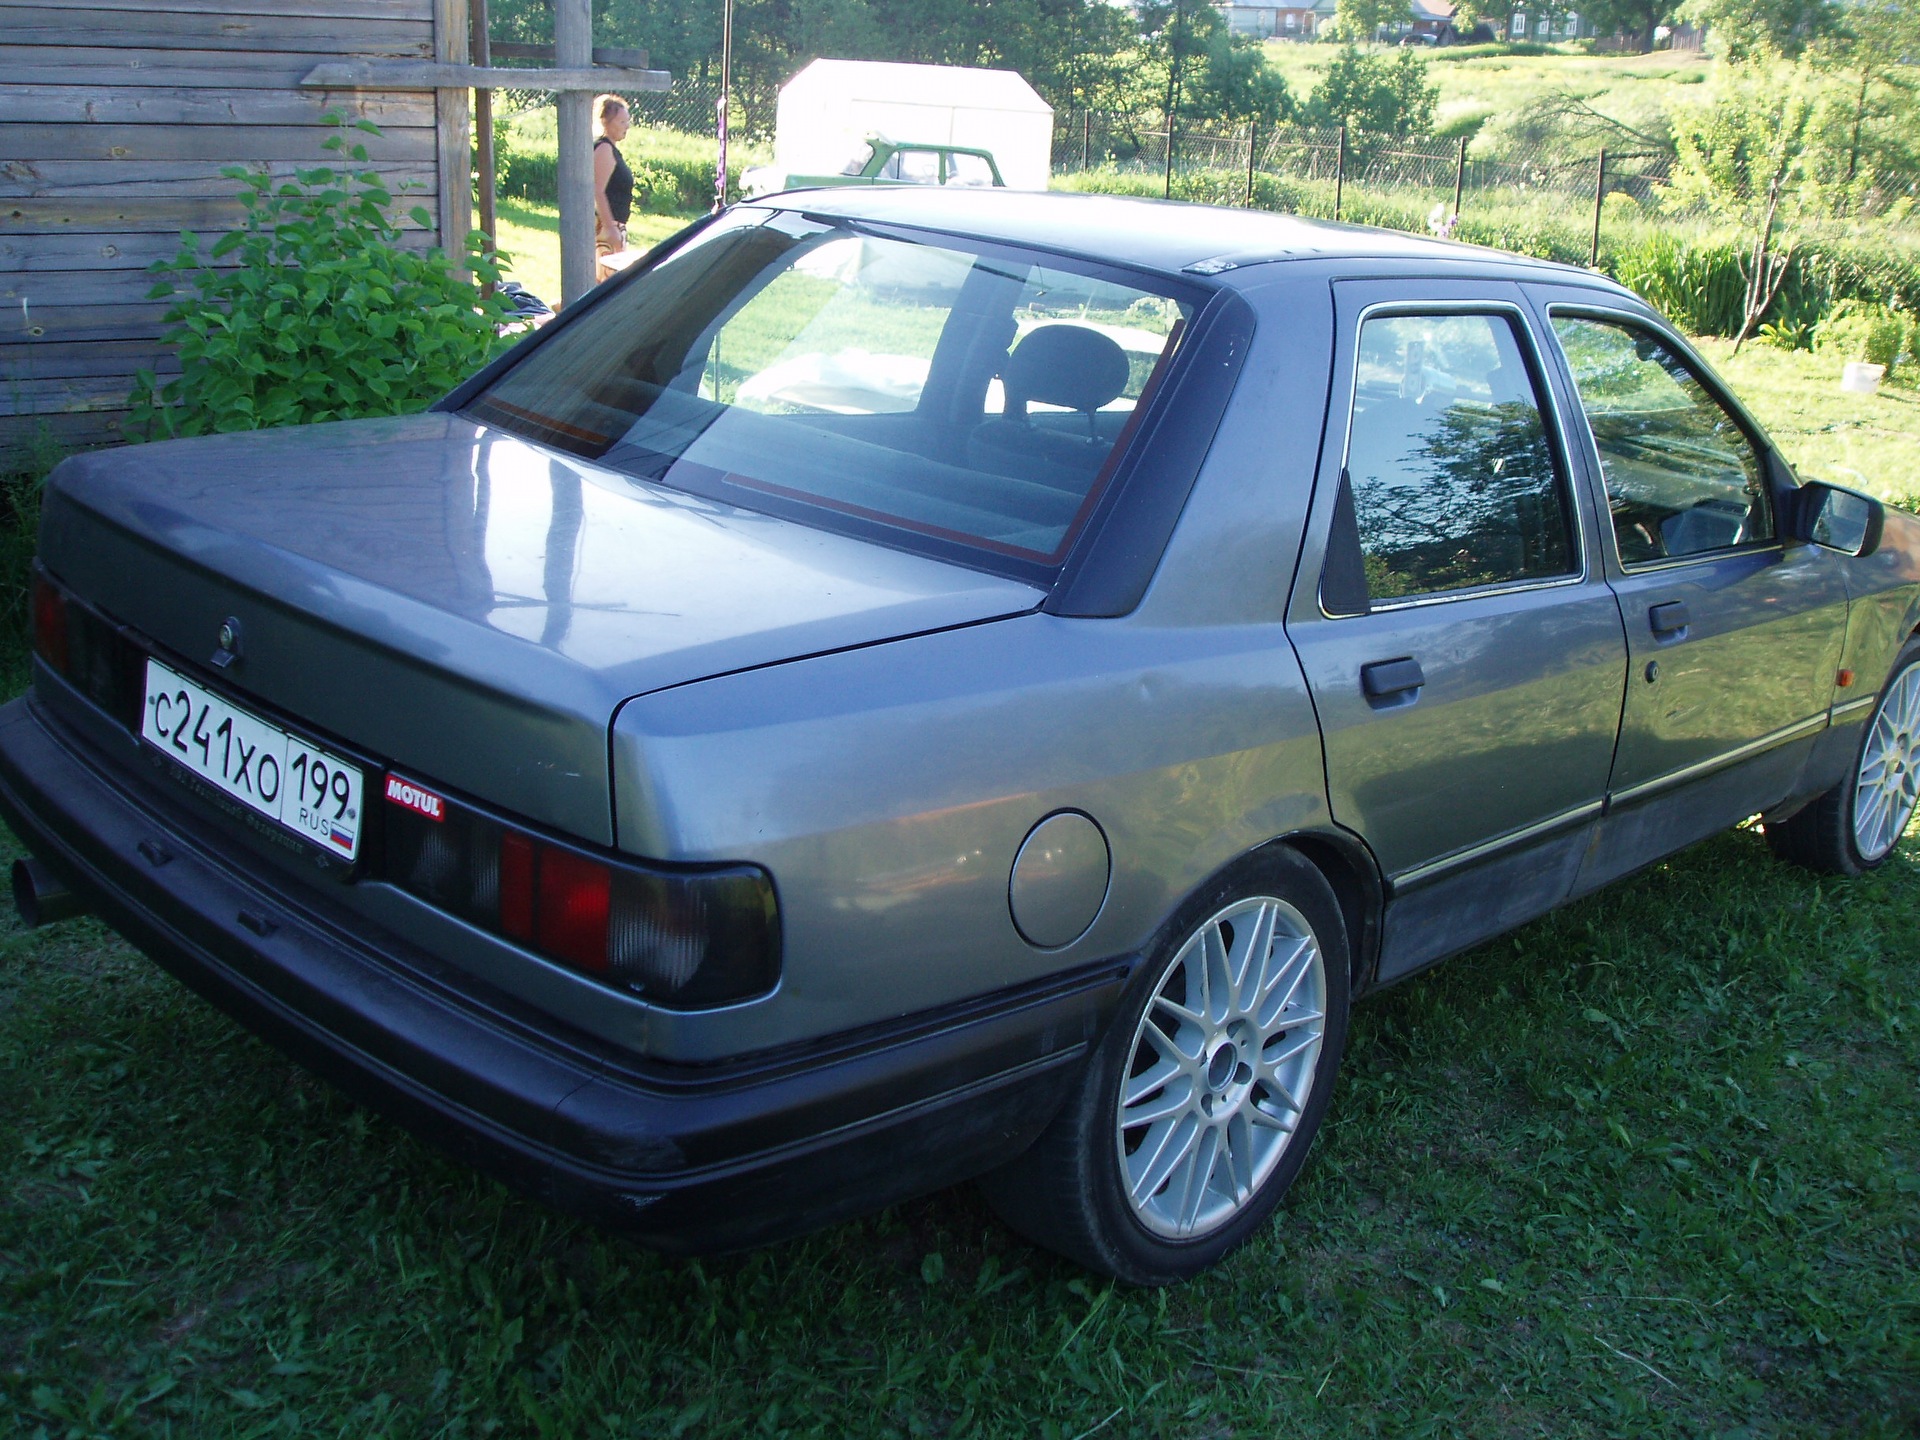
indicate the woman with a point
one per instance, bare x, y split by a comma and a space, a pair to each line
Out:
612, 181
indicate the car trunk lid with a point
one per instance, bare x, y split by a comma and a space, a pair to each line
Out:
466, 605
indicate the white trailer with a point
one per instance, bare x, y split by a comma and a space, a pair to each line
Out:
832, 106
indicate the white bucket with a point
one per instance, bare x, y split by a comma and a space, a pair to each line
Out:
1860, 378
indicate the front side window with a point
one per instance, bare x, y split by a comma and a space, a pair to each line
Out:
1682, 477
1454, 482
929, 395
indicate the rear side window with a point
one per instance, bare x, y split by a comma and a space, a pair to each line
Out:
1682, 477
968, 170
1454, 483
928, 394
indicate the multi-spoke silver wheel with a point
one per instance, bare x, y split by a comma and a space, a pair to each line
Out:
1889, 780
1222, 1063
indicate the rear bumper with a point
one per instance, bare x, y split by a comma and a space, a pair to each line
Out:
689, 1158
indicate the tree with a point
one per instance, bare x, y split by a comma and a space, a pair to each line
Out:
1375, 95
1868, 124
1362, 20
1750, 29
1741, 152
1638, 18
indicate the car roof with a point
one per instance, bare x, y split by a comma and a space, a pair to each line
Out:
1163, 235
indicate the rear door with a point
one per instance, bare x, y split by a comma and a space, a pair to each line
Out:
1463, 648
1735, 636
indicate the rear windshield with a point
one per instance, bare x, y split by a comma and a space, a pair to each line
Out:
931, 395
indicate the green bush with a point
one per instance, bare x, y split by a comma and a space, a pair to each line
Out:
1873, 333
21, 477
325, 317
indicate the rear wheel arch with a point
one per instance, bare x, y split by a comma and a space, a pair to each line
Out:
1349, 868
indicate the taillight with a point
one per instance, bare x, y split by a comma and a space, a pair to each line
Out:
516, 884
575, 894
50, 623
687, 938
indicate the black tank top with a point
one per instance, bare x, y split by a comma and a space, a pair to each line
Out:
619, 184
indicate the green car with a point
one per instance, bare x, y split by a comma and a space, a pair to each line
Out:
887, 162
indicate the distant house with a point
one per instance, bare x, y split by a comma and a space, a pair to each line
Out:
1304, 19
1564, 25
1432, 19
1299, 21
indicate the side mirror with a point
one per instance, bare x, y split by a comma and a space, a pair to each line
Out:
1838, 519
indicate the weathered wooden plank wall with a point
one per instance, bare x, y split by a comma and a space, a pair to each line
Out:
116, 118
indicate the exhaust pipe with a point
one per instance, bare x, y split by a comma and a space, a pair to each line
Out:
40, 897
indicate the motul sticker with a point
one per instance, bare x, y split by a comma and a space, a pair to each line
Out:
409, 796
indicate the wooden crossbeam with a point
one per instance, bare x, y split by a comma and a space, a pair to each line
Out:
620, 56
426, 75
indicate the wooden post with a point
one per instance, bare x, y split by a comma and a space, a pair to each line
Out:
1253, 134
1340, 173
1086, 139
1459, 173
1599, 194
453, 135
725, 102
483, 130
573, 50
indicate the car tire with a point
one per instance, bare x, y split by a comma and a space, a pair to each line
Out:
1855, 826
1235, 1085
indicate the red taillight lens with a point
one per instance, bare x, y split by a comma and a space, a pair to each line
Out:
516, 885
574, 894
50, 624
687, 937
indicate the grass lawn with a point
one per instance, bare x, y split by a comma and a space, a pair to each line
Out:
1649, 1166
530, 235
1870, 442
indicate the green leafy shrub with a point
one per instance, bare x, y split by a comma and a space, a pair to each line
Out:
1873, 333
323, 317
23, 473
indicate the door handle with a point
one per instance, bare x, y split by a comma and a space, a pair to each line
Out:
1670, 619
1384, 679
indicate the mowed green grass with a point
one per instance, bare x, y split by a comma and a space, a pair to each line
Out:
529, 233
1868, 442
1647, 1167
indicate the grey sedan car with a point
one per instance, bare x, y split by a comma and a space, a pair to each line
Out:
902, 687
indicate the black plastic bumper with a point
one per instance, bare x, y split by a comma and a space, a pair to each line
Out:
686, 1157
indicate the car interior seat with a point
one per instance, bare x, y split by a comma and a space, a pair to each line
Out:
1067, 365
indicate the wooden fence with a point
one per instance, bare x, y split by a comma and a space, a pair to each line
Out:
116, 119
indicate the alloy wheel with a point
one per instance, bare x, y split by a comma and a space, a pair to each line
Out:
1889, 780
1221, 1067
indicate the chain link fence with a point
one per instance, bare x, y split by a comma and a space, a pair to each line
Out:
1618, 208
1407, 171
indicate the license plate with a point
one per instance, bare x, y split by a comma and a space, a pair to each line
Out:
311, 791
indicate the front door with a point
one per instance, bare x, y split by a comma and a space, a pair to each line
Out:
1463, 649
1734, 636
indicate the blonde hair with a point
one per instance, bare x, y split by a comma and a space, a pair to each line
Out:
604, 107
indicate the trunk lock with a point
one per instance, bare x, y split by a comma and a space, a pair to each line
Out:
228, 653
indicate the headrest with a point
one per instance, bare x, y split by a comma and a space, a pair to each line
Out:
1067, 365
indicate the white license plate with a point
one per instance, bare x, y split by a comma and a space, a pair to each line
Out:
311, 791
